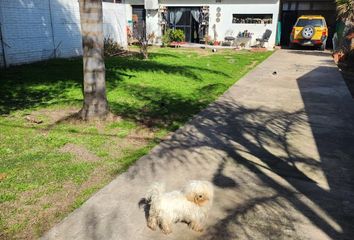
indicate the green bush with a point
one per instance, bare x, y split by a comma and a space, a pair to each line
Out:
173, 35
177, 35
166, 38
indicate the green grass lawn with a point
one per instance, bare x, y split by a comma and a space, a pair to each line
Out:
49, 169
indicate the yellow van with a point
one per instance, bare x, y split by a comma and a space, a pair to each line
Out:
309, 30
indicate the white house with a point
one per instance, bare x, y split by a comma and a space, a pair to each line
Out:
34, 30
214, 18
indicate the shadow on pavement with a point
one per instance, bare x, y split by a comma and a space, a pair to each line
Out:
283, 176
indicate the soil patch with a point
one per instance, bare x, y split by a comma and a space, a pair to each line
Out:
81, 153
55, 115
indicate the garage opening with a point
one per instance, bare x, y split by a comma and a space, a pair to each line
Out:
291, 10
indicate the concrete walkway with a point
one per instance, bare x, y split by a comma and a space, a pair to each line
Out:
279, 148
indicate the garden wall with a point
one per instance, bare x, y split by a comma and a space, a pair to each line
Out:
35, 30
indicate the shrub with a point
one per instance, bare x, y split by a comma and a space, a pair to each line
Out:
166, 38
345, 9
177, 35
173, 35
151, 38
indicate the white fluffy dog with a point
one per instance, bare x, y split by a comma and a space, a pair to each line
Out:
190, 205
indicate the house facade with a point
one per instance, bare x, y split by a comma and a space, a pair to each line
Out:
201, 19
51, 28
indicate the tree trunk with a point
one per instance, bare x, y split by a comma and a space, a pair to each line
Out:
95, 104
143, 42
144, 49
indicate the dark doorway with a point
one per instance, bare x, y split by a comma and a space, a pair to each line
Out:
188, 20
288, 21
139, 16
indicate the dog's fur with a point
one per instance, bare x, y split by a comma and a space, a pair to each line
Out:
190, 205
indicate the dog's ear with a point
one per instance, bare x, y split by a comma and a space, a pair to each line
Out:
190, 197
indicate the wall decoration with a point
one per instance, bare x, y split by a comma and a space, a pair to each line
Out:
218, 14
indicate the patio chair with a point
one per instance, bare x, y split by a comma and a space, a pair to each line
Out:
229, 38
264, 39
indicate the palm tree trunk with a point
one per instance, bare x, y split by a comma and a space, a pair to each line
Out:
94, 85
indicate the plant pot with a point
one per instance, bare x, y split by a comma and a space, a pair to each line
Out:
337, 57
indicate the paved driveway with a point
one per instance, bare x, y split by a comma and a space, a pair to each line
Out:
278, 146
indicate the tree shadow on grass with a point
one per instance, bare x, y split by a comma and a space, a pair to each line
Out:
155, 55
161, 109
46, 83
132, 64
38, 84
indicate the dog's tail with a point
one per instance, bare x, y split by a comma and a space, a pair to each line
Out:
155, 191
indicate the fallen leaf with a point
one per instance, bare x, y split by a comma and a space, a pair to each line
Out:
2, 176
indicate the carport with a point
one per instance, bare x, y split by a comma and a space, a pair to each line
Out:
292, 9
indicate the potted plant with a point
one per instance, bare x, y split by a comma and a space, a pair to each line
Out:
207, 39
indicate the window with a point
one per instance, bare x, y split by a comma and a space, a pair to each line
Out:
286, 6
311, 22
293, 6
252, 18
323, 6
113, 1
304, 6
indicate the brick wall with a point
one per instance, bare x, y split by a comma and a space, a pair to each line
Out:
36, 30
